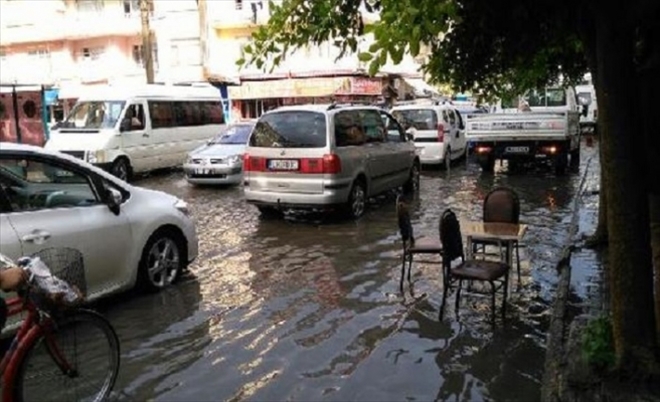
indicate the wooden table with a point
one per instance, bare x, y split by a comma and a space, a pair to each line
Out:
505, 234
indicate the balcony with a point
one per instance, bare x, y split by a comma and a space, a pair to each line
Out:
247, 15
81, 25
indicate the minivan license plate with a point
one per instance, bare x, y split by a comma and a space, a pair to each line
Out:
283, 164
517, 150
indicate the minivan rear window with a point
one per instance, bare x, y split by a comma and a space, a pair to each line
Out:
419, 119
291, 129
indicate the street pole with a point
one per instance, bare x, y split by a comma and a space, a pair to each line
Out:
147, 52
203, 37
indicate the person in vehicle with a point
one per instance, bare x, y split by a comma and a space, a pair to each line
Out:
10, 280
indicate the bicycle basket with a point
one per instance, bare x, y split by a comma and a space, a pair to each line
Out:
65, 264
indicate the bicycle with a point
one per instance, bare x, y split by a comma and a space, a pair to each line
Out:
51, 299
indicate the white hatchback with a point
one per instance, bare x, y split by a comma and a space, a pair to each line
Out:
128, 235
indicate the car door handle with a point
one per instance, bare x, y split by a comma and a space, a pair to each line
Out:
145, 135
37, 237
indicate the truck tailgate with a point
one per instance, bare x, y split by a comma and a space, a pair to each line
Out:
518, 126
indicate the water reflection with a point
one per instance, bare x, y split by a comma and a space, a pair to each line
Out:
308, 308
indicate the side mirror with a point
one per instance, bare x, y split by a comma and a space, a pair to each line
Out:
409, 136
114, 199
585, 110
125, 125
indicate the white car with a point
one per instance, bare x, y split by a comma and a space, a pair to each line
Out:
220, 161
438, 131
127, 235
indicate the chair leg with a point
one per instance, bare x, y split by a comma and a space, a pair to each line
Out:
445, 290
492, 299
403, 270
504, 296
518, 260
458, 294
410, 267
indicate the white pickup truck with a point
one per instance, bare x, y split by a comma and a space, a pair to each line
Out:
549, 132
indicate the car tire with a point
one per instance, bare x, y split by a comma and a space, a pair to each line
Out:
412, 185
165, 247
121, 168
487, 164
561, 163
357, 200
575, 158
269, 212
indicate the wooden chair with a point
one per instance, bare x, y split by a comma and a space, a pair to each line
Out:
500, 205
496, 273
412, 246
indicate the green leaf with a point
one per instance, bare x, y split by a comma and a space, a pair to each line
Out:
414, 48
364, 57
382, 58
240, 62
374, 67
248, 49
374, 47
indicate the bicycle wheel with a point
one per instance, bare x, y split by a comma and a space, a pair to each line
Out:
90, 347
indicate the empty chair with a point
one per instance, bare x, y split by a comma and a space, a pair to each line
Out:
495, 273
412, 246
501, 205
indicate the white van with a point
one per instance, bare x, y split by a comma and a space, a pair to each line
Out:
140, 128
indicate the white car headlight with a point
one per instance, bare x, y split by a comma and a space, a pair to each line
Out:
182, 206
235, 159
96, 156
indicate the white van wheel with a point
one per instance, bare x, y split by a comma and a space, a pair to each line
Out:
121, 168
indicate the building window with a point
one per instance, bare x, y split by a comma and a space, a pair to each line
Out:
92, 53
89, 6
186, 52
239, 4
131, 7
138, 55
39, 53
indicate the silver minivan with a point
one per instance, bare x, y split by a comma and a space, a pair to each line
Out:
327, 156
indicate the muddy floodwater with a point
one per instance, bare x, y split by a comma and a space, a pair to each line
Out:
308, 309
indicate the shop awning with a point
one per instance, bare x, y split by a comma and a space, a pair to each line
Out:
420, 87
288, 88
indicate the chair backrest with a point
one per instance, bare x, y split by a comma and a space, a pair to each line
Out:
403, 216
501, 205
450, 237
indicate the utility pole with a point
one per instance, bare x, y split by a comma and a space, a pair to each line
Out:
147, 50
203, 37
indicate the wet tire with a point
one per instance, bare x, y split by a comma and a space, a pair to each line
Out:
412, 185
121, 168
487, 164
575, 158
357, 200
561, 163
163, 260
269, 212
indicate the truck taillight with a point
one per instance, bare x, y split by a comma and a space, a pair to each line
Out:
441, 132
331, 164
253, 163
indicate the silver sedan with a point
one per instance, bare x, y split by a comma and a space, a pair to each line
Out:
220, 161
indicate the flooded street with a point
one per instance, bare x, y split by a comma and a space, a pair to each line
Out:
306, 310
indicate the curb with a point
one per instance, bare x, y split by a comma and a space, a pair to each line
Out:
557, 333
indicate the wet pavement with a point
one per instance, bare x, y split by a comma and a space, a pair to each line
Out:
302, 310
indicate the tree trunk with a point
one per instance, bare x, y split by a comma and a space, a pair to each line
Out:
630, 265
588, 35
650, 87
147, 49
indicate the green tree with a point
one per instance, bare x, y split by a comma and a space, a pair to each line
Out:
504, 47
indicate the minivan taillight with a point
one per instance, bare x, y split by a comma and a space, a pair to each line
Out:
253, 163
329, 164
441, 132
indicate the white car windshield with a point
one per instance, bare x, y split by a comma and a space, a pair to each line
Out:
236, 134
94, 115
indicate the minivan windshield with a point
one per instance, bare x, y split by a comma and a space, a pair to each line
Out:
419, 119
290, 129
234, 134
93, 115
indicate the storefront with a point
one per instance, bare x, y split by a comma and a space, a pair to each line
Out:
253, 98
23, 114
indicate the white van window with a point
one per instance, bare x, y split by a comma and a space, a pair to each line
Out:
291, 129
135, 113
169, 114
94, 115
